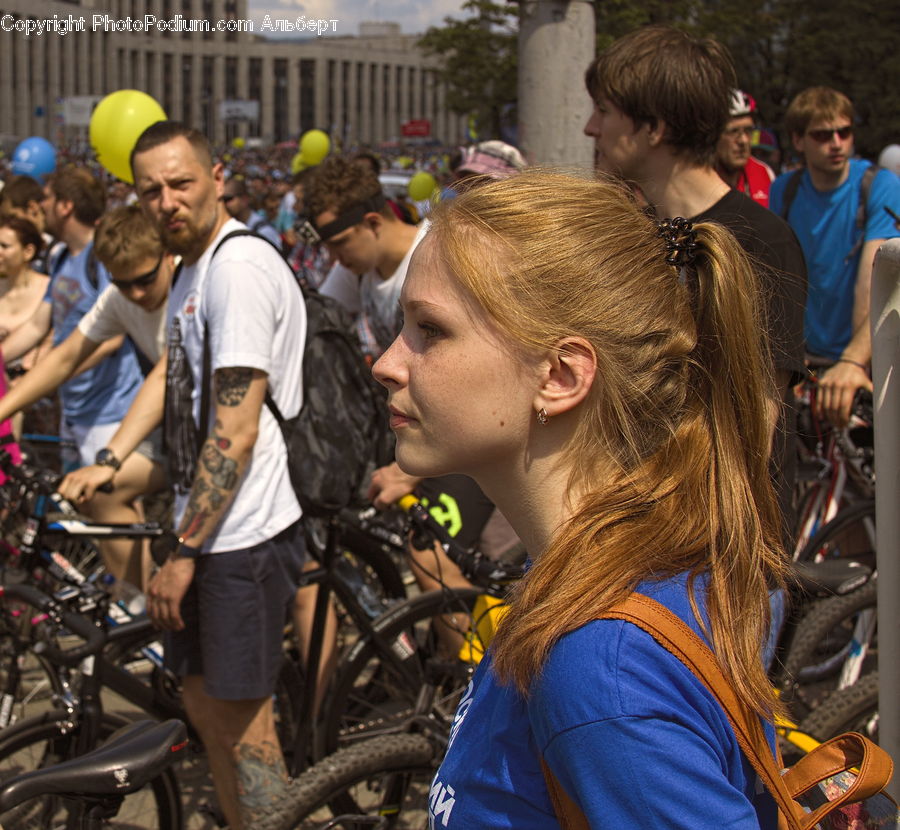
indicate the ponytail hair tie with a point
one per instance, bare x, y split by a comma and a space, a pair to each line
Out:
681, 241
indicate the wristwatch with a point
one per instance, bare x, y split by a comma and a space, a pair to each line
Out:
107, 458
172, 546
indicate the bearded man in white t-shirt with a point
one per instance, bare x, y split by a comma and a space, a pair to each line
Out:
224, 592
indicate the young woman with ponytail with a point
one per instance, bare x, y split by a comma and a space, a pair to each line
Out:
603, 379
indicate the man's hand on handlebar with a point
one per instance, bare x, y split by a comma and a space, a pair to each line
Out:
80, 485
837, 386
389, 484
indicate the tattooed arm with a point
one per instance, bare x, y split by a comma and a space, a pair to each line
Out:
239, 397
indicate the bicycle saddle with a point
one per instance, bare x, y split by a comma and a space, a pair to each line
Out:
831, 576
121, 766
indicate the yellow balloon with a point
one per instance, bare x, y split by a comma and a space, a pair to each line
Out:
238, 142
298, 163
314, 145
421, 186
116, 124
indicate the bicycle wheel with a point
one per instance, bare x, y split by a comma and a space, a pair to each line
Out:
850, 534
380, 683
388, 777
825, 639
48, 739
853, 709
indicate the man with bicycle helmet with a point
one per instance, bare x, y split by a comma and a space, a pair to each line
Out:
734, 161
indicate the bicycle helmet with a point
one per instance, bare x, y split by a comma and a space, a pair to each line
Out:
741, 104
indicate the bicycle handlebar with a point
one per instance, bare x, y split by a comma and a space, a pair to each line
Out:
76, 623
473, 563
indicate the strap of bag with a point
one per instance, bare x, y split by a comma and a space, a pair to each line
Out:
568, 813
790, 193
207, 361
842, 753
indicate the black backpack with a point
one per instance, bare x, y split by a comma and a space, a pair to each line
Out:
341, 433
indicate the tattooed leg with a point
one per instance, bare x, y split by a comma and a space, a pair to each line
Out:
261, 778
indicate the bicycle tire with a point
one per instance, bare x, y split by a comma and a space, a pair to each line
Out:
850, 534
350, 781
377, 556
48, 738
371, 695
821, 641
852, 709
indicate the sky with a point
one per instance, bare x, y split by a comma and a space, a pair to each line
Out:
414, 16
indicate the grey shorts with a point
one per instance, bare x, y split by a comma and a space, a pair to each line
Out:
234, 614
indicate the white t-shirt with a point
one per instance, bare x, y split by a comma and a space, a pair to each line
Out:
113, 314
256, 318
374, 298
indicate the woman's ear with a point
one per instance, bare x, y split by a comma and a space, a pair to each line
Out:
28, 251
567, 375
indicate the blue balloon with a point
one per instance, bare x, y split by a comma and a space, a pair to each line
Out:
35, 157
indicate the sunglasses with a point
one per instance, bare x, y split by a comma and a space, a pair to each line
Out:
843, 133
143, 281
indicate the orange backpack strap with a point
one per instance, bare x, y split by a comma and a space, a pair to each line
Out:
567, 811
845, 752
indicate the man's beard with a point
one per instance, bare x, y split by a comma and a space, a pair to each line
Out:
186, 239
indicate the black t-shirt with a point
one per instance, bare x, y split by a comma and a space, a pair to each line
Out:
772, 244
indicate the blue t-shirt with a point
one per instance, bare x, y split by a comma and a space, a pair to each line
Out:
103, 394
630, 732
825, 224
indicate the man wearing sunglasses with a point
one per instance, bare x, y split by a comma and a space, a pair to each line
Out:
133, 306
836, 208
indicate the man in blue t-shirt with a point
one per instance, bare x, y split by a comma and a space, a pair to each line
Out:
94, 401
840, 228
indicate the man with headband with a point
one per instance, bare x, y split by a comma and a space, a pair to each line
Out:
371, 246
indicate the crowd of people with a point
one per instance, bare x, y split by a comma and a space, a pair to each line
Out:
601, 369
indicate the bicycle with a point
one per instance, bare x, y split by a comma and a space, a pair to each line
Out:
78, 722
93, 787
837, 466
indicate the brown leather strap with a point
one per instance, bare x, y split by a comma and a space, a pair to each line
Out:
567, 811
671, 632
839, 754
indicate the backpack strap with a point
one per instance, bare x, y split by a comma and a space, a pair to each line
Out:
790, 193
207, 359
841, 753
862, 208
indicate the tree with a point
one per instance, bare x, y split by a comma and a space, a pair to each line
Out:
480, 63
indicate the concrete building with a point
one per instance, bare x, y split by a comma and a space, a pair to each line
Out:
202, 58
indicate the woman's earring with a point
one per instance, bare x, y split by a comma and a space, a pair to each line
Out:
542, 417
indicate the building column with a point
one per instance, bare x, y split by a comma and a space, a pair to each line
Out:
353, 113
22, 123
365, 116
218, 90
7, 62
267, 105
38, 89
242, 91
177, 81
197, 89
321, 83
379, 114
293, 97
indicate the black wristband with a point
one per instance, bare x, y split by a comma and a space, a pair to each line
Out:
852, 363
185, 551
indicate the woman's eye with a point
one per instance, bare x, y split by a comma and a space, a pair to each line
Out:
429, 330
